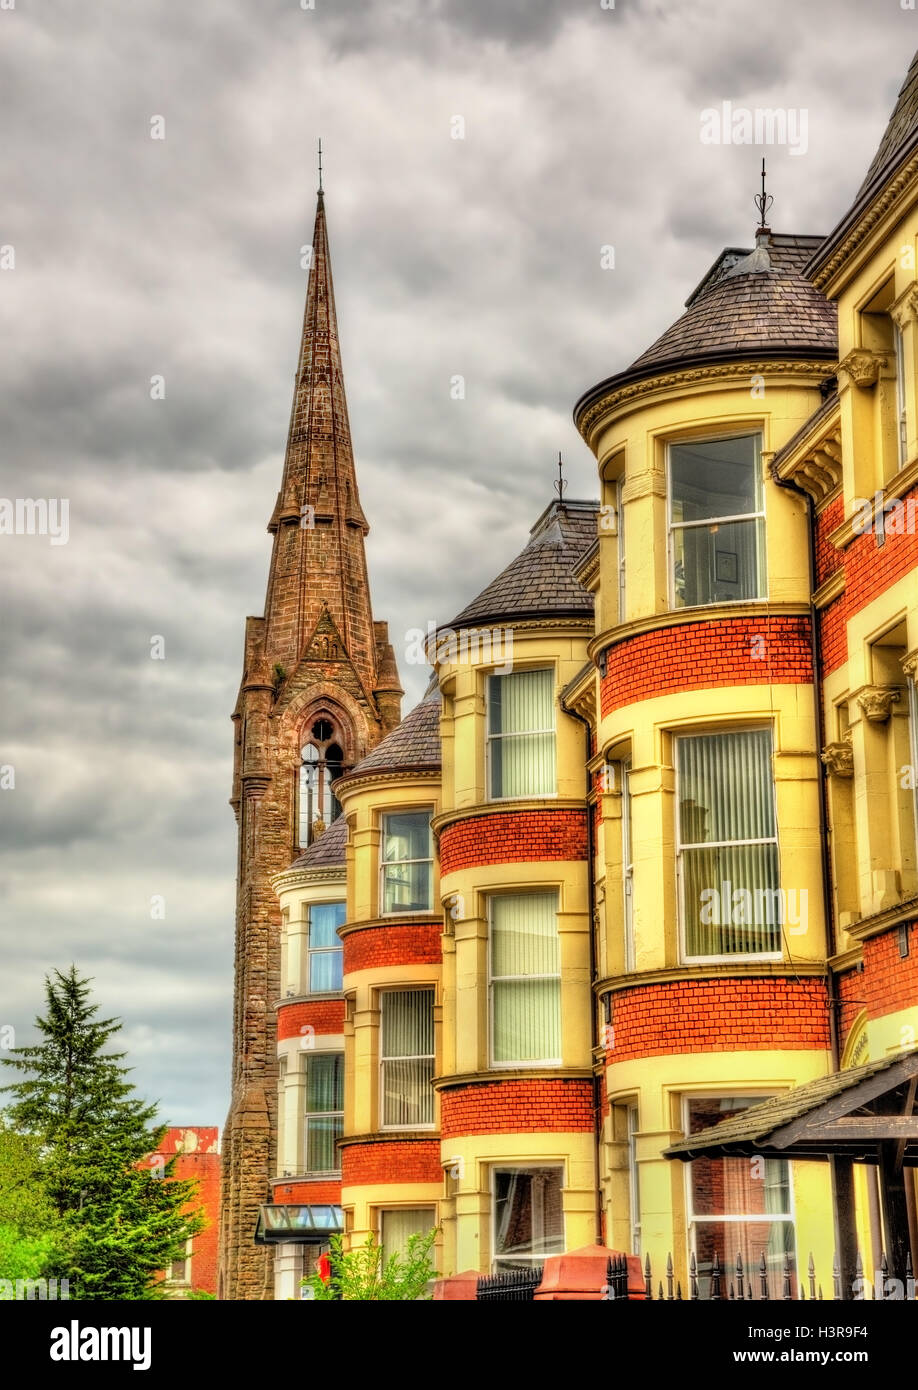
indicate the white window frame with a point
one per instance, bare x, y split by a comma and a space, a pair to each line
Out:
417, 1057
185, 1280
627, 865
912, 683
620, 508
701, 732
320, 1114
692, 1221
632, 1123
490, 738
388, 864
901, 413
492, 979
672, 526
522, 1166
322, 950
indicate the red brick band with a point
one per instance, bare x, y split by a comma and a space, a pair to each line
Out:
770, 650
308, 1193
414, 1160
517, 1107
729, 1014
512, 837
871, 568
890, 981
417, 943
322, 1016
828, 558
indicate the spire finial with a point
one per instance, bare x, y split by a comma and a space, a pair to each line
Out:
320, 166
763, 202
560, 485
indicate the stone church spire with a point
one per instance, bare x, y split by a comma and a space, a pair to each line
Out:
319, 689
318, 523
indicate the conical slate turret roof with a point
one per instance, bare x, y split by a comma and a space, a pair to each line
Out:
327, 850
539, 582
415, 744
900, 134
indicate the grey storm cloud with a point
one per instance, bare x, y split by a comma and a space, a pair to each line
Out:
179, 258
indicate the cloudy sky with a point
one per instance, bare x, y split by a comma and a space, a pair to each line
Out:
179, 258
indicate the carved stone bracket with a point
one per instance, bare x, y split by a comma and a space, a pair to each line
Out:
910, 666
863, 366
839, 759
905, 308
876, 702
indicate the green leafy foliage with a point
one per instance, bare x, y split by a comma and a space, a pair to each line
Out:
115, 1220
364, 1274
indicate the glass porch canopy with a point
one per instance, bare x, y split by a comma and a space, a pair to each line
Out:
306, 1225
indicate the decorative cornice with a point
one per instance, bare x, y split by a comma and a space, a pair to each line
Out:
353, 782
503, 808
397, 1136
862, 366
839, 758
492, 1078
301, 878
880, 922
876, 701
404, 919
711, 613
866, 223
831, 589
846, 960
691, 376
614, 984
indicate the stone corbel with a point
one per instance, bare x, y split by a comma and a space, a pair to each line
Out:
905, 308
910, 667
839, 759
863, 366
876, 702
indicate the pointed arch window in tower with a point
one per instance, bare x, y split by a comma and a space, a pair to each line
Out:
323, 761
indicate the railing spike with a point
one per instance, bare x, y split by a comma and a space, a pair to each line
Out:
679, 1291
739, 1274
836, 1278
715, 1277
763, 1276
693, 1276
787, 1277
648, 1277
669, 1278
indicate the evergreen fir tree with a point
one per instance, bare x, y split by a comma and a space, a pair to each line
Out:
120, 1221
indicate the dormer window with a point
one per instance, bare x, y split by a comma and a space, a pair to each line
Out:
716, 521
323, 761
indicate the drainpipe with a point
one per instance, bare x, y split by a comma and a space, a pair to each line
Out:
839, 1168
594, 1035
815, 656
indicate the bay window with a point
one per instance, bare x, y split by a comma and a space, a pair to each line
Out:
737, 1206
324, 1110
324, 950
525, 979
727, 847
528, 1216
521, 735
716, 521
407, 1059
407, 863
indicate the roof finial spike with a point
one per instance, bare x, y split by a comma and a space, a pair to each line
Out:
560, 485
320, 166
763, 202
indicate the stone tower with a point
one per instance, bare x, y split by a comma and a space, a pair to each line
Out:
319, 689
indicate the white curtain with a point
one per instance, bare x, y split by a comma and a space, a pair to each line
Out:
400, 1223
730, 898
407, 1057
522, 739
525, 978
